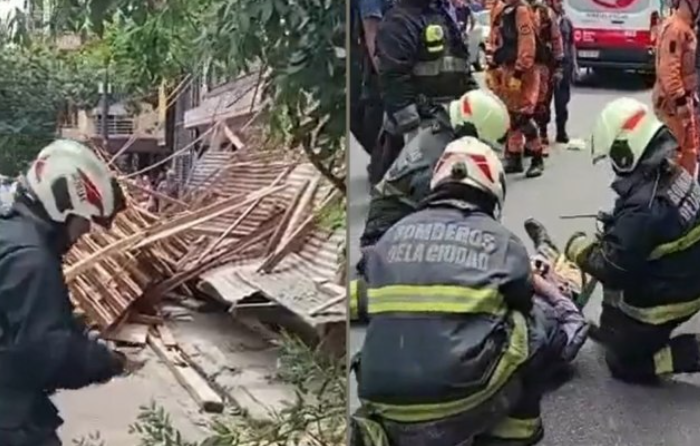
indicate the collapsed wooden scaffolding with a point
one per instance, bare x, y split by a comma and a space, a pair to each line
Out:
265, 211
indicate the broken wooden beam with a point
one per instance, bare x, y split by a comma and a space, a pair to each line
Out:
198, 387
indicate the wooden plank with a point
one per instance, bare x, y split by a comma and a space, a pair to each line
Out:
166, 336
177, 226
146, 319
129, 333
239, 220
286, 246
207, 399
284, 222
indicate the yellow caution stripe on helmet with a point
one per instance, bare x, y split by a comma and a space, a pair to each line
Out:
515, 355
434, 298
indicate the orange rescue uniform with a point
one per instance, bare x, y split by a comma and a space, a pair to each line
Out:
674, 94
515, 77
548, 60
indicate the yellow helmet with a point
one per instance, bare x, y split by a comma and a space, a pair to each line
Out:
484, 112
622, 133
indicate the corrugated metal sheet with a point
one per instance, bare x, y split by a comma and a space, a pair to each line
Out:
242, 96
292, 283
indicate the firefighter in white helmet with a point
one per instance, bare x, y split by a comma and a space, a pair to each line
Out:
647, 248
66, 191
478, 113
456, 346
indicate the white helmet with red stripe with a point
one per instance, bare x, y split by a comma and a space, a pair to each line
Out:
622, 133
68, 178
483, 112
469, 161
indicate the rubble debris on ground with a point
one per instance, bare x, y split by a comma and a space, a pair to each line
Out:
247, 225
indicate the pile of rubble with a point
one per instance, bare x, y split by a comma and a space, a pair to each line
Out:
249, 225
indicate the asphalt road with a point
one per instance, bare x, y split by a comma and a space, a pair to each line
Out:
592, 409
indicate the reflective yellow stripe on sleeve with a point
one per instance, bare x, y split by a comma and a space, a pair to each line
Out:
354, 298
434, 298
657, 315
514, 356
516, 429
678, 245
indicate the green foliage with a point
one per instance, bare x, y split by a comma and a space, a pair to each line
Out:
34, 83
316, 418
93, 439
154, 428
301, 43
334, 216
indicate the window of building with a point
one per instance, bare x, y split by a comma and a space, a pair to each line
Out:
116, 125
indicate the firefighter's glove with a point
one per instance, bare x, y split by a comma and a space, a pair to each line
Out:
603, 221
576, 245
558, 76
514, 84
95, 335
131, 363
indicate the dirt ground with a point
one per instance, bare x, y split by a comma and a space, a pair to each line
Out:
110, 408
236, 359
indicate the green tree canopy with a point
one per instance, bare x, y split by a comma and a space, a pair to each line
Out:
298, 43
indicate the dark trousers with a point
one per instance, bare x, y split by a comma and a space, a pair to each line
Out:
562, 96
634, 350
29, 438
384, 155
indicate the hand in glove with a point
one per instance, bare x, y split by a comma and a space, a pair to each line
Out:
603, 220
575, 246
130, 363
558, 76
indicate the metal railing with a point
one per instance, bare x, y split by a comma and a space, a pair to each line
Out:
115, 126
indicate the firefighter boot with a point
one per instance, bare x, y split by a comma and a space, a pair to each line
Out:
544, 139
562, 137
513, 163
540, 239
536, 168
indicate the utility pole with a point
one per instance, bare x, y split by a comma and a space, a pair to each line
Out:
104, 91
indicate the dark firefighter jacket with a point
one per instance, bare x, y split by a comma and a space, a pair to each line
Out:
443, 336
407, 181
649, 249
423, 61
42, 348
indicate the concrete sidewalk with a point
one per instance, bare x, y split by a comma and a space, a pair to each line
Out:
110, 408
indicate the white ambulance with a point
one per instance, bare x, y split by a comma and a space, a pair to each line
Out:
616, 34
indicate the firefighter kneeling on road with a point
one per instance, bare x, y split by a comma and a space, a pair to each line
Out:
513, 73
456, 350
477, 113
42, 347
675, 89
647, 253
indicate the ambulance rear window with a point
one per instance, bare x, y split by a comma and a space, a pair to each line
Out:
610, 6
